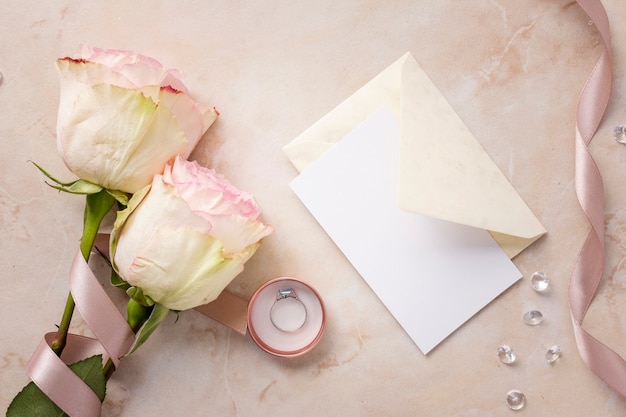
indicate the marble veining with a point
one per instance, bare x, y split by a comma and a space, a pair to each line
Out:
513, 72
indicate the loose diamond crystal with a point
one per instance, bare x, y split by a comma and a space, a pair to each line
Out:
539, 281
533, 317
506, 354
515, 399
619, 134
553, 353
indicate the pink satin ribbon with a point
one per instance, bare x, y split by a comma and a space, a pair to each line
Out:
51, 374
114, 338
589, 266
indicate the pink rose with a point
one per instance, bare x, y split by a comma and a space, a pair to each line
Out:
184, 238
122, 117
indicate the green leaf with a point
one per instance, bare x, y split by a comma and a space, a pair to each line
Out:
90, 371
31, 401
157, 315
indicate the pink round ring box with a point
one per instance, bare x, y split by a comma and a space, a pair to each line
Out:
286, 317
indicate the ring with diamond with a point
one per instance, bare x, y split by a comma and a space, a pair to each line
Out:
288, 313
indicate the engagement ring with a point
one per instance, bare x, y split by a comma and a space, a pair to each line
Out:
288, 313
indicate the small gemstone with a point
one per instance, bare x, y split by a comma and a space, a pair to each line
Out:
286, 292
506, 354
539, 281
553, 353
533, 317
619, 134
515, 399
1, 78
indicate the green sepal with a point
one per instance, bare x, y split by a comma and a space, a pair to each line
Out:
78, 187
118, 281
122, 216
120, 196
82, 187
137, 314
72, 187
138, 295
50, 177
31, 401
157, 315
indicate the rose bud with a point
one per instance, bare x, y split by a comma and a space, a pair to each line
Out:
122, 117
185, 237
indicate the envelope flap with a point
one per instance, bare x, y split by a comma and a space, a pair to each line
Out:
383, 90
445, 173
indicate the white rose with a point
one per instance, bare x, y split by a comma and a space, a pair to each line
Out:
184, 238
122, 117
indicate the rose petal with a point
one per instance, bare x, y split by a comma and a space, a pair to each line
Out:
236, 232
193, 118
139, 69
208, 192
139, 223
131, 138
188, 266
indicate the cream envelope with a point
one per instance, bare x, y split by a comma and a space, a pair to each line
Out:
443, 170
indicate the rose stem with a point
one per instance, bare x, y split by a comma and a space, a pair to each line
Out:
96, 207
109, 368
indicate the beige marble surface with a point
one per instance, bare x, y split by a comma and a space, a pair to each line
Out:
512, 70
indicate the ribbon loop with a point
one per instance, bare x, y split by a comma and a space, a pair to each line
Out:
114, 338
98, 310
60, 383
